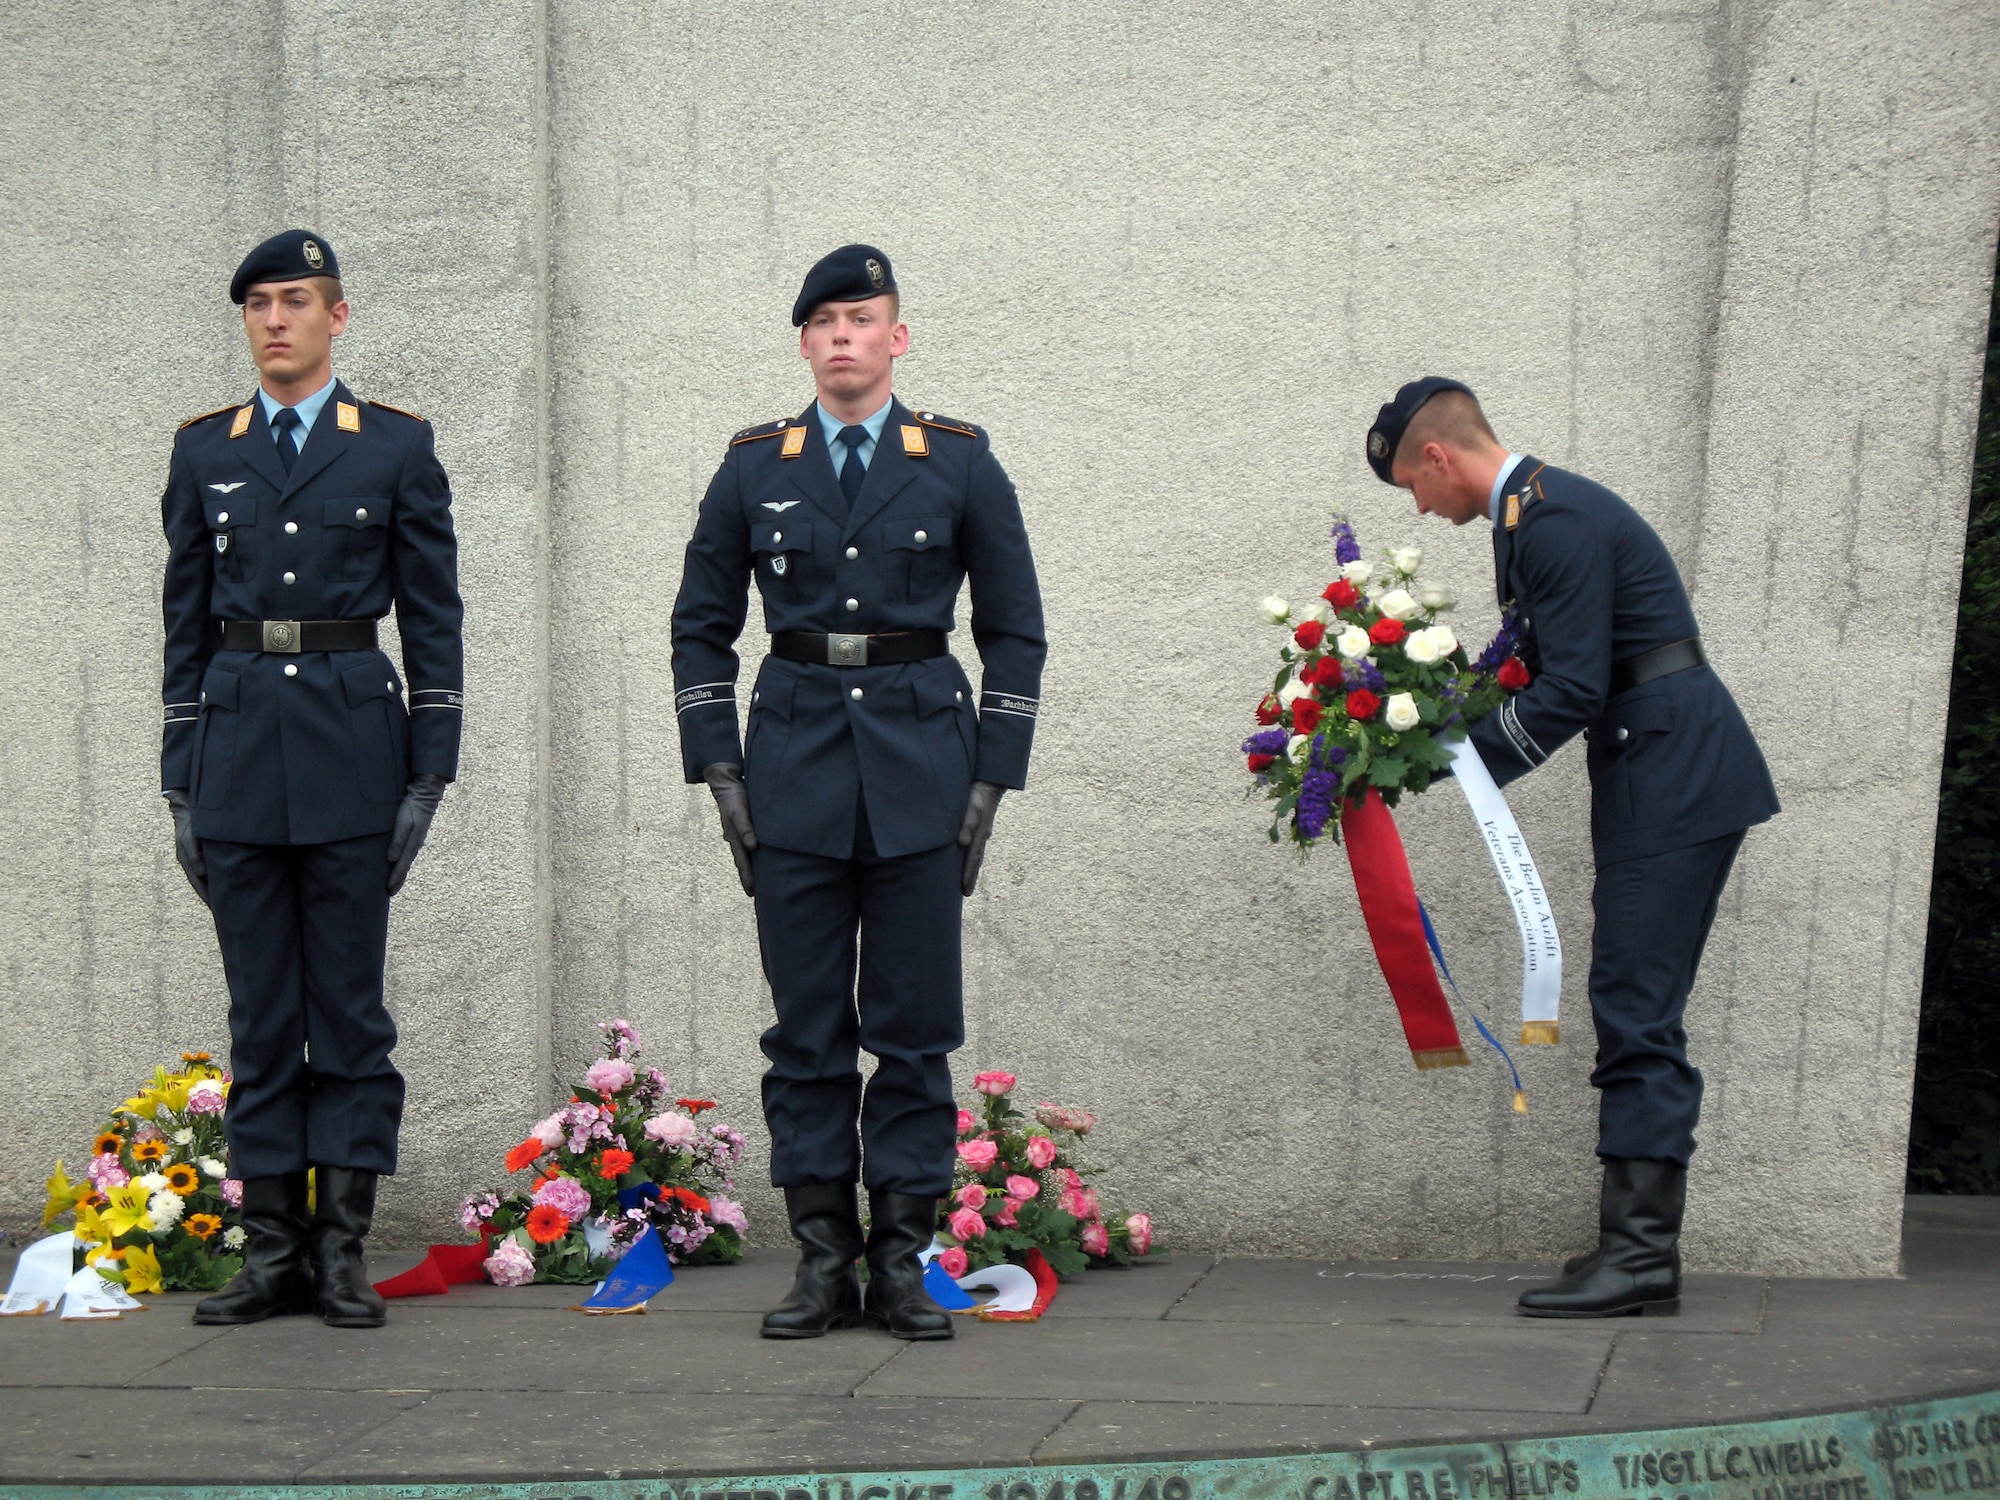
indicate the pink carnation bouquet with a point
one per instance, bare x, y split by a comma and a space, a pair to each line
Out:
1020, 1186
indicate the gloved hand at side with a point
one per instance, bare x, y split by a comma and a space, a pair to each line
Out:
732, 801
976, 828
187, 848
413, 825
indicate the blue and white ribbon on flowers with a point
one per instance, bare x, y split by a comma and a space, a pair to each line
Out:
1437, 955
1541, 948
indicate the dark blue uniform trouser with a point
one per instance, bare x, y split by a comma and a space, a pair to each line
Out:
1653, 916
303, 930
908, 1011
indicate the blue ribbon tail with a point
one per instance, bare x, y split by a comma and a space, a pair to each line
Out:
1437, 952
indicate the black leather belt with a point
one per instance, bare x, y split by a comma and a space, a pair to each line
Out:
293, 636
858, 650
1675, 656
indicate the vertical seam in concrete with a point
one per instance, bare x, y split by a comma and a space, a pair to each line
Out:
543, 271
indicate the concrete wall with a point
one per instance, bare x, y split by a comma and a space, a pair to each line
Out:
1730, 259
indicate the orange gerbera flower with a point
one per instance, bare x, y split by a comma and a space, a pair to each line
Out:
695, 1106
547, 1223
196, 1057
524, 1153
687, 1198
108, 1141
183, 1178
614, 1163
149, 1151
201, 1226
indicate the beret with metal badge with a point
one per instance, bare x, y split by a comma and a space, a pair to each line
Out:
853, 273
1395, 416
291, 256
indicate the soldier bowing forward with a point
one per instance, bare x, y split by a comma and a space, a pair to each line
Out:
859, 806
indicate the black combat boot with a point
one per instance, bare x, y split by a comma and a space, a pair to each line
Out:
343, 1211
1636, 1267
274, 1280
900, 1226
826, 1294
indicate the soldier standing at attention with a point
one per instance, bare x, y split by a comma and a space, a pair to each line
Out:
300, 785
859, 805
1610, 639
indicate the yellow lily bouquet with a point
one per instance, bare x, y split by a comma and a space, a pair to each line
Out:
157, 1210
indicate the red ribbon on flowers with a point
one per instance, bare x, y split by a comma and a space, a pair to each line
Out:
1045, 1292
1396, 928
445, 1267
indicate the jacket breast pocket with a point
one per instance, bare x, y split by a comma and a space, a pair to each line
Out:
381, 727
780, 549
922, 559
1630, 747
356, 536
232, 525
215, 740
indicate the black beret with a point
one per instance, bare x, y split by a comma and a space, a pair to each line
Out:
1395, 416
291, 256
853, 273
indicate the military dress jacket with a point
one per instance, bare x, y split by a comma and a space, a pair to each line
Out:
935, 510
1672, 762
315, 746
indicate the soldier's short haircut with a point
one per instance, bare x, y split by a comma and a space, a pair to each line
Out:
1450, 417
331, 290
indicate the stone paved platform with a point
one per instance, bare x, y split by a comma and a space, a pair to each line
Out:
1194, 1356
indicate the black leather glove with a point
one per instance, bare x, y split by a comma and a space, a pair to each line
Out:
976, 827
732, 801
413, 825
187, 848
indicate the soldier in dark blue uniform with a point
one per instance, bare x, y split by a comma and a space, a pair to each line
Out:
859, 804
301, 783
1613, 650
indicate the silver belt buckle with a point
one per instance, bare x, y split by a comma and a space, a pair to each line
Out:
847, 650
281, 635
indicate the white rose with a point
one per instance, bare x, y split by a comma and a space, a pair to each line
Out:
1401, 712
1318, 610
1298, 747
212, 1168
164, 1209
1421, 648
1291, 692
1446, 641
1352, 642
1398, 605
1436, 597
1357, 573
1406, 560
1275, 610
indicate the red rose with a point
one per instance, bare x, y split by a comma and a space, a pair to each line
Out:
1305, 715
1386, 632
1268, 711
1341, 594
1362, 704
1513, 676
1259, 762
1309, 634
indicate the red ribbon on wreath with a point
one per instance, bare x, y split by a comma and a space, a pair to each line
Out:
1396, 927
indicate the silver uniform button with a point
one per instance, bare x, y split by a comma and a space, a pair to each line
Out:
855, 694
853, 604
291, 528
390, 686
959, 696
221, 516
777, 537
1624, 734
361, 514
291, 578
852, 553
291, 669
923, 536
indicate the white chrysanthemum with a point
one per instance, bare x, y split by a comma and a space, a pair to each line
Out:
210, 1167
184, 1137
153, 1182
233, 1237
164, 1209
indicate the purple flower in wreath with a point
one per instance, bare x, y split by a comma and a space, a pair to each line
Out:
1327, 756
1316, 794
1499, 648
1363, 674
1266, 742
1345, 548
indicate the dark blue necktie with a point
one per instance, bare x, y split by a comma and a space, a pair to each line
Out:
283, 423
852, 472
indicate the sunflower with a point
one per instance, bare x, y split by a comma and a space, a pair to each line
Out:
149, 1151
183, 1178
547, 1223
108, 1142
201, 1226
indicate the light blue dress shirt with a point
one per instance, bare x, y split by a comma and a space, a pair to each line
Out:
308, 409
830, 426
1500, 486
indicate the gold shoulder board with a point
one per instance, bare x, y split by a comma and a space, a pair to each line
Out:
207, 416
761, 430
385, 406
947, 424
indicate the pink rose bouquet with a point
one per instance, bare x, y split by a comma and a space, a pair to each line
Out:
1019, 1187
